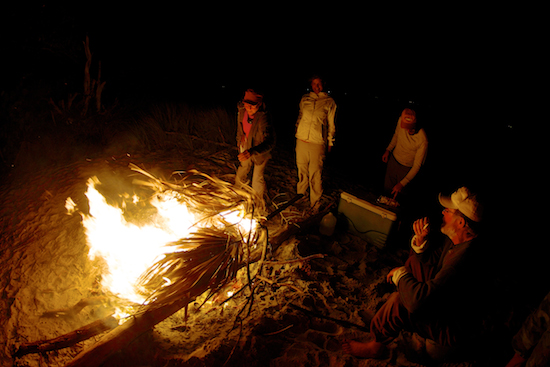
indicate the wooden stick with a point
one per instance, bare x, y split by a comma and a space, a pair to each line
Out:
301, 259
286, 205
295, 228
69, 339
121, 336
338, 321
279, 331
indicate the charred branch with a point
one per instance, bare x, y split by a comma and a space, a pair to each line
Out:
69, 339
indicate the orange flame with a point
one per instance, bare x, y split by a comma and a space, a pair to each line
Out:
129, 249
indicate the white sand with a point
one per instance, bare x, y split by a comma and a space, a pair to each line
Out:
45, 268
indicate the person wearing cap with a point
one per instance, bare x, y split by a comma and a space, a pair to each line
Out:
405, 154
315, 130
439, 293
255, 139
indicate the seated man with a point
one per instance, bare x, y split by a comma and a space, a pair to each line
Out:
437, 288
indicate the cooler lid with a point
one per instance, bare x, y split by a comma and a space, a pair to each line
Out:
384, 213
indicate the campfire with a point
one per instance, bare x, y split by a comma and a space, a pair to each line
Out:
186, 241
144, 255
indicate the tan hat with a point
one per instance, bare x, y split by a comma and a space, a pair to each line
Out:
253, 98
465, 202
408, 118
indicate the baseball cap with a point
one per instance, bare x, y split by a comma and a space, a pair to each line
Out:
252, 97
465, 202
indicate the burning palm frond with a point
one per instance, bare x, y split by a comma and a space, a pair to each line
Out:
205, 193
209, 257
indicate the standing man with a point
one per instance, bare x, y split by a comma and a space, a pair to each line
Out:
405, 154
255, 139
314, 136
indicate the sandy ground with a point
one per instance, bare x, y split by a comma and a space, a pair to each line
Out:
299, 317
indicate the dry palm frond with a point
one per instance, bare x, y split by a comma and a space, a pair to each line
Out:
203, 192
209, 258
212, 262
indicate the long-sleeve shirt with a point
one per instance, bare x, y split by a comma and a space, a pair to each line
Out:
452, 288
409, 150
446, 289
316, 119
446, 265
261, 137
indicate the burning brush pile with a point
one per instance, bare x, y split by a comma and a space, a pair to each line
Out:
189, 236
183, 244
191, 248
182, 272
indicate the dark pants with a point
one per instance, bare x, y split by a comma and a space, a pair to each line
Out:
393, 317
395, 172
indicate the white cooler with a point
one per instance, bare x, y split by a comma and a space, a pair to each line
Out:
371, 222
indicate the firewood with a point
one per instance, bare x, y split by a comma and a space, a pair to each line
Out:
124, 334
213, 257
69, 339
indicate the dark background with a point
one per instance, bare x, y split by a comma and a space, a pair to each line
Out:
465, 71
453, 66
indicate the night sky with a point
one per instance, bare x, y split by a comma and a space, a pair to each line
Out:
453, 66
359, 50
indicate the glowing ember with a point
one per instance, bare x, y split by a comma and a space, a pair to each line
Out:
129, 249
